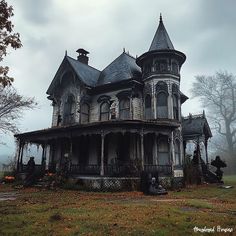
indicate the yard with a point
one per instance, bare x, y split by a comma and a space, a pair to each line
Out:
66, 212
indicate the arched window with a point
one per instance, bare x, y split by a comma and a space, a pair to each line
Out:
124, 108
147, 68
163, 65
175, 92
175, 107
104, 111
163, 151
69, 110
175, 68
162, 100
162, 107
148, 107
177, 152
84, 113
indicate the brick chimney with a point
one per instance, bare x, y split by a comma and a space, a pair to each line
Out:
83, 58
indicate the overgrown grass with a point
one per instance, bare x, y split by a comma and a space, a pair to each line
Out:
196, 203
230, 179
65, 212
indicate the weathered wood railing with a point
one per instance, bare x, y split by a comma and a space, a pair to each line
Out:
120, 170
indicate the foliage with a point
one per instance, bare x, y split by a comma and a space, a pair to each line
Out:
218, 94
7, 39
11, 107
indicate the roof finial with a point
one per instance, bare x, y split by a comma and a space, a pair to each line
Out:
66, 53
123, 49
160, 18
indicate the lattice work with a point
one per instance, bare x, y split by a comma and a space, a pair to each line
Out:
110, 184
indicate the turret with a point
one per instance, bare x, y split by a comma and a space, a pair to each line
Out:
161, 66
161, 58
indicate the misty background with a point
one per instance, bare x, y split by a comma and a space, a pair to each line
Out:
204, 30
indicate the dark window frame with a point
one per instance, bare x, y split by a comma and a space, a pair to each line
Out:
69, 110
124, 109
148, 106
103, 113
83, 113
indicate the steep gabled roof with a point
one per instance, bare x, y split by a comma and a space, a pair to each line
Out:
87, 74
161, 40
122, 68
196, 125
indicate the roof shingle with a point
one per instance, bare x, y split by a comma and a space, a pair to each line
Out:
161, 40
122, 68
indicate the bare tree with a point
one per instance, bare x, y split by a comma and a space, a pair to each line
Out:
11, 107
11, 103
218, 94
7, 39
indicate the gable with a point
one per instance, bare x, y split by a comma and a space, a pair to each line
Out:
85, 74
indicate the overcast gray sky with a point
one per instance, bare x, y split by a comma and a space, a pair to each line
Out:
203, 29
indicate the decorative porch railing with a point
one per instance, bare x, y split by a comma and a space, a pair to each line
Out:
162, 170
120, 170
85, 169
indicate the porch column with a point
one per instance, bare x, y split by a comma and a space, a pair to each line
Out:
155, 150
102, 154
184, 151
70, 155
21, 157
18, 156
207, 162
43, 161
199, 162
172, 151
154, 97
142, 150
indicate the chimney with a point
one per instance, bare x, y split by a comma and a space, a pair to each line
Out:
83, 58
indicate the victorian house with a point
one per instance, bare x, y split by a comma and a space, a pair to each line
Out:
115, 123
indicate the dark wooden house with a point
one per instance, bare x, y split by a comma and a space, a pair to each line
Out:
113, 124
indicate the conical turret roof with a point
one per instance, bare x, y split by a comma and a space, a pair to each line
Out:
161, 40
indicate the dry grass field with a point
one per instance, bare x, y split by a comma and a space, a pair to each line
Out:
66, 212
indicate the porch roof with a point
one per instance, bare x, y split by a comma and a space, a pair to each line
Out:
116, 126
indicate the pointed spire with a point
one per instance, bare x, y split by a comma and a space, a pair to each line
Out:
160, 18
161, 40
